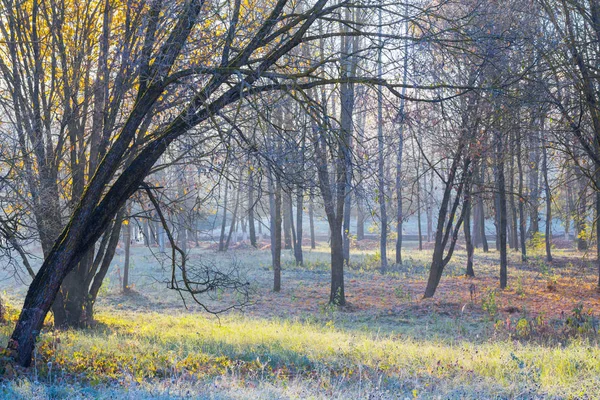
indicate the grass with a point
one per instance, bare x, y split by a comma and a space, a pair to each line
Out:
389, 344
139, 349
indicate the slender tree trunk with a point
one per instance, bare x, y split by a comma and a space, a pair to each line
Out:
399, 211
360, 218
467, 231
233, 226
522, 221
104, 262
161, 238
476, 209
597, 177
287, 223
484, 242
337, 295
400, 121
224, 221
311, 221
534, 161
146, 231
597, 192
514, 237
568, 211
430, 209
419, 230
275, 207
443, 233
299, 233
381, 160
582, 243
548, 199
127, 245
346, 223
502, 220
251, 201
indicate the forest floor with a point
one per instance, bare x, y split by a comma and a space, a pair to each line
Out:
536, 339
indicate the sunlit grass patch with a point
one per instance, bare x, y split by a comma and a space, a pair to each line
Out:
132, 348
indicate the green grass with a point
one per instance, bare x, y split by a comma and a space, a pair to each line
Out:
148, 346
144, 349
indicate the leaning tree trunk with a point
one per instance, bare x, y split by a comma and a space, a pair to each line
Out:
108, 248
442, 235
102, 199
446, 230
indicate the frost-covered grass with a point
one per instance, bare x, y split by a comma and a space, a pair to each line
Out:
158, 355
146, 345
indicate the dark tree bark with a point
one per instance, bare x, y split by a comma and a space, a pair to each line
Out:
597, 178
109, 243
112, 184
446, 229
501, 210
448, 225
